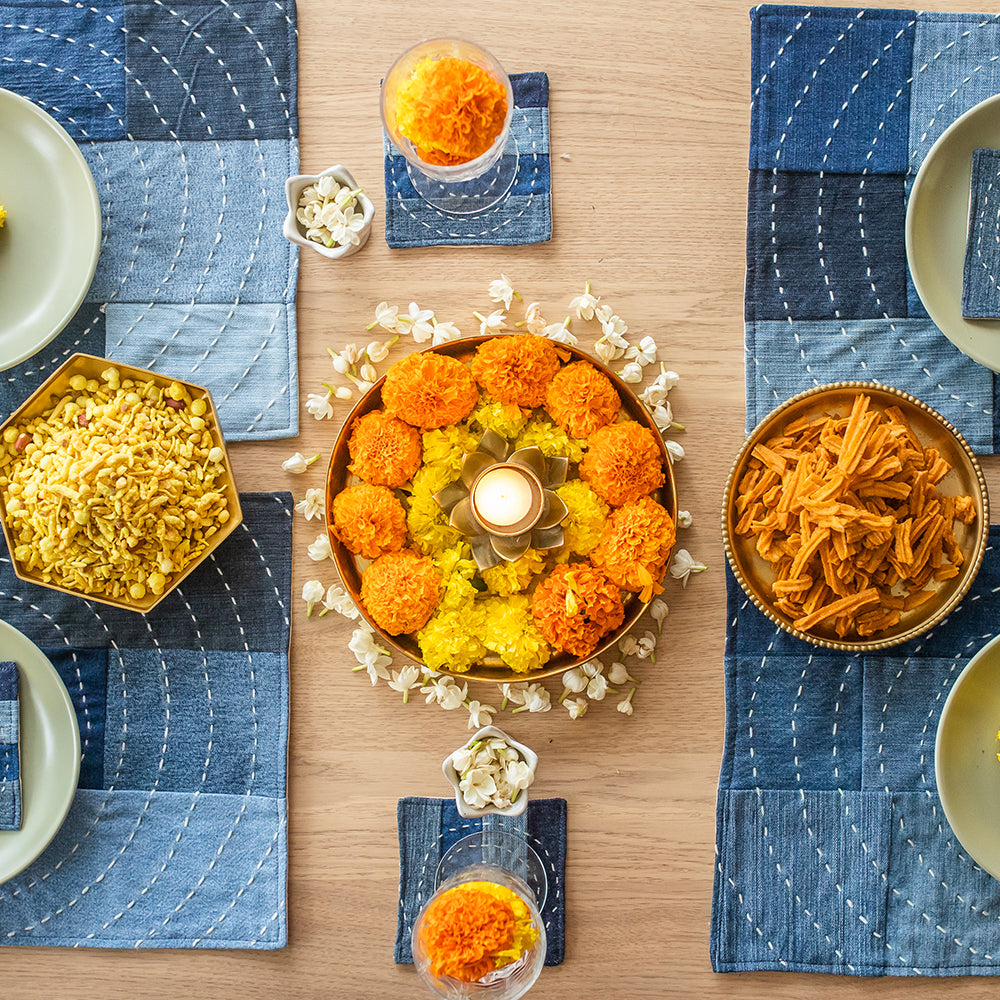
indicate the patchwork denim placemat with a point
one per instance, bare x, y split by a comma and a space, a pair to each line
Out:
187, 116
523, 216
981, 274
176, 837
10, 771
846, 105
428, 827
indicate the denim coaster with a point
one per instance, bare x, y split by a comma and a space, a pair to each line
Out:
10, 766
981, 275
428, 827
523, 216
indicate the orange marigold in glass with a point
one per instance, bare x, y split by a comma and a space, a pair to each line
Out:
385, 451
451, 110
516, 369
635, 545
622, 463
400, 590
575, 606
369, 520
581, 400
429, 390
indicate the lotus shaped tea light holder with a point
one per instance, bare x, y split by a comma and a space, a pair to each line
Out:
504, 503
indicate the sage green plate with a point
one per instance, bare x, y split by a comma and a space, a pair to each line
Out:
52, 237
937, 224
49, 752
965, 757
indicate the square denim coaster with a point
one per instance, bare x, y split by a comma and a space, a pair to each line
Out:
981, 275
428, 827
523, 216
10, 772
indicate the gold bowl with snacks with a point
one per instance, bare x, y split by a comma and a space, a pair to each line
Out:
855, 516
114, 483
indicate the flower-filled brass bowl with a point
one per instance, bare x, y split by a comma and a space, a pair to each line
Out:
502, 500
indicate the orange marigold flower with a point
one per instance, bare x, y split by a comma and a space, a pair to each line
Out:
429, 390
635, 545
451, 110
575, 606
385, 451
622, 463
516, 369
369, 520
400, 591
582, 400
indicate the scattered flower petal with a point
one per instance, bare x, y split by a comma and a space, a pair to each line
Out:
683, 565
502, 290
625, 705
319, 405
312, 591
618, 674
445, 332
298, 463
658, 611
675, 452
577, 707
684, 519
585, 304
337, 599
534, 321
644, 353
312, 504
320, 549
494, 323
632, 372
559, 332
479, 714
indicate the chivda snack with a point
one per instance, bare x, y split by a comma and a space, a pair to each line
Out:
846, 512
115, 489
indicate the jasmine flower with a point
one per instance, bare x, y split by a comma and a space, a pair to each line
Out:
501, 290
577, 707
494, 323
312, 591
319, 406
625, 705
298, 463
479, 714
683, 565
319, 549
312, 504
584, 304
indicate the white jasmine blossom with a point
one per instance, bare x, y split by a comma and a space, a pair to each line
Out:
387, 317
615, 328
403, 680
618, 674
366, 650
368, 372
585, 304
312, 504
337, 599
632, 372
445, 332
534, 321
479, 714
319, 548
653, 394
340, 364
419, 321
683, 565
597, 687
662, 417
658, 611
453, 696
675, 452
646, 647
352, 354
312, 591
478, 787
343, 392
361, 384
347, 228
518, 774
684, 519
625, 705
298, 463
628, 644
644, 353
577, 707
559, 332
378, 351
607, 352
536, 699
435, 687
494, 323
502, 290
513, 692
319, 406
574, 681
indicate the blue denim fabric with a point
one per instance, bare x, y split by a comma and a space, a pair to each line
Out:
524, 216
981, 273
833, 854
428, 827
177, 835
187, 115
10, 767
846, 104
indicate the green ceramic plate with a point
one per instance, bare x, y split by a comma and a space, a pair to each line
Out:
50, 243
965, 757
937, 223
49, 752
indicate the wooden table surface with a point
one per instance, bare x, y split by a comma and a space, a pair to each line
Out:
649, 134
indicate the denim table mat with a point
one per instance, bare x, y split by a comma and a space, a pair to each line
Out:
846, 105
187, 116
176, 837
10, 771
523, 216
428, 827
981, 274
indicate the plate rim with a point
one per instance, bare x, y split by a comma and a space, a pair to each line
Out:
19, 848
91, 210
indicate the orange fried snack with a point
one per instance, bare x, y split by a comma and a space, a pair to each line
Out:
451, 110
845, 511
400, 590
384, 450
635, 545
516, 369
575, 606
369, 520
581, 400
622, 463
429, 390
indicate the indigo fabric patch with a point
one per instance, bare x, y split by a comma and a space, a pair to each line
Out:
187, 116
831, 840
981, 273
10, 760
523, 216
846, 104
428, 827
181, 812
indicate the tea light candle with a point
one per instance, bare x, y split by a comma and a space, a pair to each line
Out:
503, 496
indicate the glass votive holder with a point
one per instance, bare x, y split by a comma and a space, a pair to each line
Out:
485, 882
463, 188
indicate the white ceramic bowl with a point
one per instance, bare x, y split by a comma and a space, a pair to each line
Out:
515, 808
292, 228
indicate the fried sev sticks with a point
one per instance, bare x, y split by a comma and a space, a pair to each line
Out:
845, 511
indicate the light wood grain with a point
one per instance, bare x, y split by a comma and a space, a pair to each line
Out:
649, 120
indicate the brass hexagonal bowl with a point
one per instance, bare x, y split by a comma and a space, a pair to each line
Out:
756, 576
54, 388
351, 567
